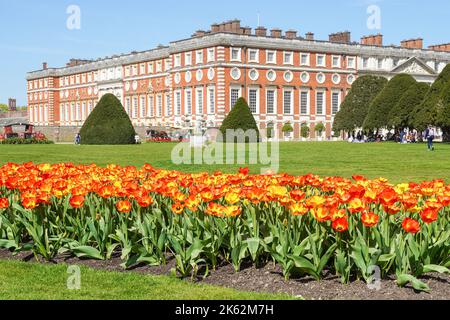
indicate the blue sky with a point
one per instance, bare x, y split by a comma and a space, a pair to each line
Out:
32, 32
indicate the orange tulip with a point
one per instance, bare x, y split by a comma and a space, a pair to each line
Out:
429, 215
4, 203
123, 206
340, 225
76, 201
29, 203
411, 225
298, 209
232, 198
370, 219
177, 208
144, 201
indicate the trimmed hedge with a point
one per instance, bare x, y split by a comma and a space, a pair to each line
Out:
108, 124
240, 117
26, 141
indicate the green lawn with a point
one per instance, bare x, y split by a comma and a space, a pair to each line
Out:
30, 281
397, 162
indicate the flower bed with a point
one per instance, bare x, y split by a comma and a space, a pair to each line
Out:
306, 224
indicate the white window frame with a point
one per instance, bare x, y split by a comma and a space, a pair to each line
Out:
239, 54
211, 96
308, 59
257, 99
353, 65
128, 106
159, 66
142, 106
275, 106
338, 65
177, 61
291, 61
159, 105
150, 106
83, 110
333, 92
188, 59
177, 95
308, 101
199, 57
211, 55
291, 107
141, 68
188, 102
168, 105
274, 61
256, 52
324, 56
199, 100
324, 106
135, 108
239, 95
150, 67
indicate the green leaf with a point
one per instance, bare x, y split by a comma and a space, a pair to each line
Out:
404, 279
435, 268
86, 251
305, 265
253, 246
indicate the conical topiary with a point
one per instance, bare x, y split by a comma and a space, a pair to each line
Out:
240, 117
108, 124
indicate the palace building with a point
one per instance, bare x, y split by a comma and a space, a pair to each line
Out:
195, 82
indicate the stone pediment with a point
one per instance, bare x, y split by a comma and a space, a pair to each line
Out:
414, 66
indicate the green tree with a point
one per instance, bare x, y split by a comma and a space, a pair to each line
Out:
3, 107
240, 117
427, 112
304, 130
385, 101
108, 124
355, 107
402, 115
443, 112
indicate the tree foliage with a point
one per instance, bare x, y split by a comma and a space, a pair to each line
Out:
355, 107
427, 112
108, 124
240, 117
402, 115
385, 101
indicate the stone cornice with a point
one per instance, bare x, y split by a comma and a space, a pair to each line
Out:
249, 41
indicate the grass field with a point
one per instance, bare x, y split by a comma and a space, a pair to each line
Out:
30, 281
399, 163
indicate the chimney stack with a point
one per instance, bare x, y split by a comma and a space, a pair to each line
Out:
235, 26
215, 28
440, 47
340, 37
412, 43
261, 32
12, 104
246, 30
291, 34
44, 66
372, 40
309, 36
276, 33
199, 33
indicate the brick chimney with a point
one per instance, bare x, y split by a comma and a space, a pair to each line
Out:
215, 28
440, 47
261, 32
12, 104
44, 66
291, 34
309, 36
246, 30
235, 26
340, 37
276, 33
412, 43
373, 40
199, 33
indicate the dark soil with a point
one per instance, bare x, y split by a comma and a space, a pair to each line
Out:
270, 279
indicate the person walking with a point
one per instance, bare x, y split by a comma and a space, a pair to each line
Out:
78, 139
429, 135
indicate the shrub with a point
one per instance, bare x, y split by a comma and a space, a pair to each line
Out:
26, 141
304, 131
319, 128
355, 107
108, 124
402, 115
385, 101
427, 112
240, 117
287, 128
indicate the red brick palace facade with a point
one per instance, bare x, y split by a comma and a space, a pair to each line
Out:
195, 82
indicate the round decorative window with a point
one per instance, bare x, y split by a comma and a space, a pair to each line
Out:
188, 76
336, 78
288, 76
127, 86
253, 74
177, 78
271, 75
304, 77
199, 75
351, 79
235, 73
167, 81
211, 74
320, 78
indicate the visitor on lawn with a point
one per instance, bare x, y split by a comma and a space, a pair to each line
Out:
429, 135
